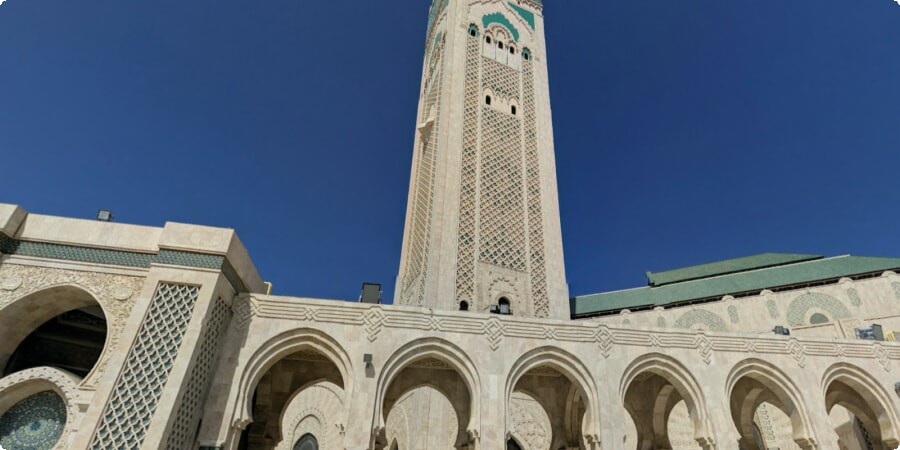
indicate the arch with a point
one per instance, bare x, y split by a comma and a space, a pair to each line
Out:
26, 383
787, 398
684, 383
874, 399
501, 20
321, 399
405, 422
25, 315
307, 442
429, 348
572, 368
798, 309
473, 30
274, 350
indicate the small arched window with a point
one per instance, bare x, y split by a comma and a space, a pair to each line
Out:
512, 50
487, 39
463, 305
473, 30
526, 54
307, 442
513, 109
500, 45
487, 100
504, 306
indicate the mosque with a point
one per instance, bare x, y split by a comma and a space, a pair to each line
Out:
117, 336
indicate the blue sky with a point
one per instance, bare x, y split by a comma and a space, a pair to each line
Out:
686, 131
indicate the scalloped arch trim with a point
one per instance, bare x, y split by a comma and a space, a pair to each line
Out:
502, 20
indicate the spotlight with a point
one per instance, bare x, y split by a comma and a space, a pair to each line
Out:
104, 215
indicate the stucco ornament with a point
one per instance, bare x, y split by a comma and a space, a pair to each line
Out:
107, 289
13, 282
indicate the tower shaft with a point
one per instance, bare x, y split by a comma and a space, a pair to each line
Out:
482, 224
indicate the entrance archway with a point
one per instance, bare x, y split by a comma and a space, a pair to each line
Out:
551, 401
652, 387
766, 408
869, 406
62, 327
428, 397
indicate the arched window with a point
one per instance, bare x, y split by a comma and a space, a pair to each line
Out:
526, 54
487, 39
500, 45
512, 50
473, 30
463, 305
513, 109
504, 306
487, 100
307, 442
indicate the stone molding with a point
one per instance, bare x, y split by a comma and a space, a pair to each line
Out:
376, 318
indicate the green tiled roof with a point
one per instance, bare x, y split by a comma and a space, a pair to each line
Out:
803, 272
725, 267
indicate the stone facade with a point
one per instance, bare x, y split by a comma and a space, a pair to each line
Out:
117, 336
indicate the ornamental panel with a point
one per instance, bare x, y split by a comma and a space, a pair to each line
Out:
134, 399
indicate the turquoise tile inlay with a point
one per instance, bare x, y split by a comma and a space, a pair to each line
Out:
526, 14
83, 254
35, 423
200, 260
11, 246
502, 20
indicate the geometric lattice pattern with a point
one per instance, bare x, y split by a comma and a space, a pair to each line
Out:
190, 410
502, 240
537, 267
502, 208
465, 267
415, 274
137, 391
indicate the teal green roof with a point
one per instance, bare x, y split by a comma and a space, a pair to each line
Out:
714, 286
725, 267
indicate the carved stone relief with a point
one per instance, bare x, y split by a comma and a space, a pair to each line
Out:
114, 293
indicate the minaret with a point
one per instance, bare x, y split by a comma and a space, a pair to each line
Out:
482, 222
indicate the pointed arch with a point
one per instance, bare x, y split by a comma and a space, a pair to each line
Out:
773, 386
25, 315
425, 348
684, 384
866, 397
273, 351
572, 368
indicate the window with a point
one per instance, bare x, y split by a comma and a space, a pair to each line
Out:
487, 100
463, 305
487, 39
513, 109
473, 31
500, 45
307, 442
504, 306
512, 50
